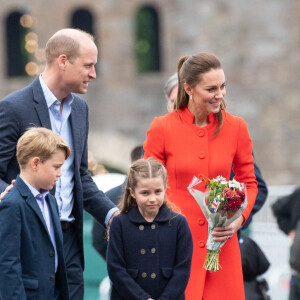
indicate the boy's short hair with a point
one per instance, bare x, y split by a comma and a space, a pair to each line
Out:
39, 142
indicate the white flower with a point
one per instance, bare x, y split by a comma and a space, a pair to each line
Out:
221, 179
220, 197
234, 184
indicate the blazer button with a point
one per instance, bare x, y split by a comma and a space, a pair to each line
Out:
51, 253
201, 244
143, 251
201, 133
51, 278
202, 155
144, 275
153, 275
153, 250
153, 226
141, 227
201, 221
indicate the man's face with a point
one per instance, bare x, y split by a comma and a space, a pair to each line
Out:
82, 69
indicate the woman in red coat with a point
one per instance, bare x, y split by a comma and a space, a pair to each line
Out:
201, 138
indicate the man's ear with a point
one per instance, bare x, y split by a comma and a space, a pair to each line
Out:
34, 162
62, 61
132, 193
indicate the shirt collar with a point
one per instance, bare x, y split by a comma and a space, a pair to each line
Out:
49, 96
34, 191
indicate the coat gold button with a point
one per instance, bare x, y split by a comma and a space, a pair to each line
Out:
153, 250
141, 227
153, 275
144, 275
153, 226
143, 251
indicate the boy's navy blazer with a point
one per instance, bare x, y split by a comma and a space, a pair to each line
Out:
27, 108
27, 260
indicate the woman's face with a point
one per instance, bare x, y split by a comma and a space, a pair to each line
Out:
208, 93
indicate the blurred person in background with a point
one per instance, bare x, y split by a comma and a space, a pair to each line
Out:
287, 213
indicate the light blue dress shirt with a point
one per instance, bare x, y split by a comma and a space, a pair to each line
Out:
40, 199
60, 123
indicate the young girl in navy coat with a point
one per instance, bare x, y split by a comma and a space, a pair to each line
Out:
150, 246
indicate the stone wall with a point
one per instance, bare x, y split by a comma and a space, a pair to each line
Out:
257, 41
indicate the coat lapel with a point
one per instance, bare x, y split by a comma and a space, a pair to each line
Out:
40, 104
30, 200
75, 128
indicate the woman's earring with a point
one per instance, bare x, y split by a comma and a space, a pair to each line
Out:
191, 97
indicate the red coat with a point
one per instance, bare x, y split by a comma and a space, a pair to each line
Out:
188, 150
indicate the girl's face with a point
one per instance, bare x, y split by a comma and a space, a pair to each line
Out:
208, 93
150, 196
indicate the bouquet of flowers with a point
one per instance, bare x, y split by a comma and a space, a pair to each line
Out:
221, 203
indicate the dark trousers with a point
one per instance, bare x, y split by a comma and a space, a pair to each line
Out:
295, 288
73, 264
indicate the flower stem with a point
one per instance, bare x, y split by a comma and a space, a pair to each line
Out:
212, 261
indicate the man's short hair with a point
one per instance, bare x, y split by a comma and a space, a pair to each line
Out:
65, 41
39, 142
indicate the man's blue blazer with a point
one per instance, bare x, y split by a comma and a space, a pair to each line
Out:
26, 108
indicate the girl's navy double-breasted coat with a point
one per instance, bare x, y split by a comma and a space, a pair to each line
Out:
149, 259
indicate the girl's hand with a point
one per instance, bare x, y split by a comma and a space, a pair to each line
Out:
223, 234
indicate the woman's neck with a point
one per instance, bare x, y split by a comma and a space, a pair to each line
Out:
200, 117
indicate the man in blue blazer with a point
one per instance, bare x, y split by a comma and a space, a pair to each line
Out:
49, 102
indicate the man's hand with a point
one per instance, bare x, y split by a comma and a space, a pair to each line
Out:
114, 214
292, 234
7, 189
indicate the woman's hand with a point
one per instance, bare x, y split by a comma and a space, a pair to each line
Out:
223, 234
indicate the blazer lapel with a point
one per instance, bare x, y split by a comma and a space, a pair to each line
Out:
75, 119
30, 200
40, 104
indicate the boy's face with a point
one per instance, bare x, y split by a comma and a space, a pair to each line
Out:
48, 172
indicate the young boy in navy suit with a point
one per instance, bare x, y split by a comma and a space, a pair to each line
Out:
31, 253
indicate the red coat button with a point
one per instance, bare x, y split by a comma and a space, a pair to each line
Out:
201, 244
201, 133
201, 221
202, 155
